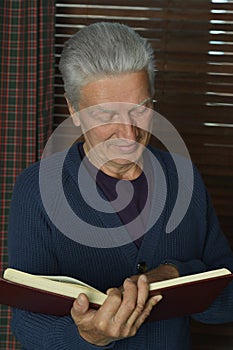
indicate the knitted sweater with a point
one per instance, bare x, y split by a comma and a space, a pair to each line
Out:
37, 246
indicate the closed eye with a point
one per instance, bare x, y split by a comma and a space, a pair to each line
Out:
102, 116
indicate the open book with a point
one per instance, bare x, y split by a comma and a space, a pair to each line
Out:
55, 294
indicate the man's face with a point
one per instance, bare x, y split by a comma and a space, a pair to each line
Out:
115, 119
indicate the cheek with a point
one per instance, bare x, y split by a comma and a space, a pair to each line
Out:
145, 123
98, 134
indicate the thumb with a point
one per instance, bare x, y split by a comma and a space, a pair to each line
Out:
81, 304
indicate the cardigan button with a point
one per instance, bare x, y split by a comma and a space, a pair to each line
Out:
142, 267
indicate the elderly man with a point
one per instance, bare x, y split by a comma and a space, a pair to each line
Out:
108, 73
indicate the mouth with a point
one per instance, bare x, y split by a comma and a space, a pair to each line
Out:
126, 148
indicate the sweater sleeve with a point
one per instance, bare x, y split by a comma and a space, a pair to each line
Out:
30, 249
216, 253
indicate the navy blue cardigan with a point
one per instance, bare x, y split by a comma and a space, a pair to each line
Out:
37, 246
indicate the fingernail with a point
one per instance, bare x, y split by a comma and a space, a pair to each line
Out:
109, 291
157, 298
128, 280
143, 278
80, 300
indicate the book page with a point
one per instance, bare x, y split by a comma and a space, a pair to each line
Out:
66, 279
54, 285
190, 278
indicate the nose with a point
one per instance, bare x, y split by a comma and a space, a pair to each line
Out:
126, 128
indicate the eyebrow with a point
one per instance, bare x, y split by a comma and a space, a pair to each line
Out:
140, 104
105, 110
136, 106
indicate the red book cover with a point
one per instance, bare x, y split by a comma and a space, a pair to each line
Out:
178, 300
189, 298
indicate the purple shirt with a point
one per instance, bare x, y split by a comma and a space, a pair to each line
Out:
135, 199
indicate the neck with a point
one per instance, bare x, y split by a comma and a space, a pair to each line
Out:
129, 171
123, 172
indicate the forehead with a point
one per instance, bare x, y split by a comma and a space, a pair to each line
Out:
127, 87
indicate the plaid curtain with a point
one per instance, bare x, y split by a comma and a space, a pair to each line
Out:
26, 104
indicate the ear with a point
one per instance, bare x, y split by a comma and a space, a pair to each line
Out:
73, 113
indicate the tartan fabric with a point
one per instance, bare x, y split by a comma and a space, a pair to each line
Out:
26, 104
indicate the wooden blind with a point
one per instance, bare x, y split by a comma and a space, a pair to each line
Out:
193, 43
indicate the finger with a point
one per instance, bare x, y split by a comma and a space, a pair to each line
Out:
143, 290
80, 307
142, 296
134, 278
147, 310
129, 301
81, 304
112, 303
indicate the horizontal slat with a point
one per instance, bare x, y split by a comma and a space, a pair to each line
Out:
206, 98
196, 139
209, 170
194, 113
195, 4
171, 77
220, 160
219, 151
71, 14
206, 120
226, 224
147, 30
204, 153
192, 5
222, 192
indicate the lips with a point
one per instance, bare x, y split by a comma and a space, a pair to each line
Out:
125, 147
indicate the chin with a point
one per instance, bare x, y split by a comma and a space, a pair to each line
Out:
132, 159
123, 161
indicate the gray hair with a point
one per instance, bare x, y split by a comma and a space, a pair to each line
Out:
102, 49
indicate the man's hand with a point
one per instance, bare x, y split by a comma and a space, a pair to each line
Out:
160, 273
119, 317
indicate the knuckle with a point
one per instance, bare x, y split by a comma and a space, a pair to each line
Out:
124, 331
115, 332
115, 295
129, 305
140, 308
114, 291
101, 325
129, 331
145, 314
